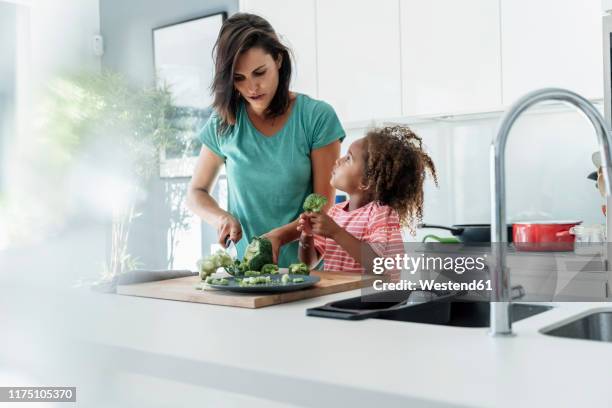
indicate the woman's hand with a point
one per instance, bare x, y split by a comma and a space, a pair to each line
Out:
322, 224
228, 225
304, 225
276, 242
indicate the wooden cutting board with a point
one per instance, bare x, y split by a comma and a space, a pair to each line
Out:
184, 289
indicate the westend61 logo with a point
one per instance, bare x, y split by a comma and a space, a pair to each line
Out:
412, 264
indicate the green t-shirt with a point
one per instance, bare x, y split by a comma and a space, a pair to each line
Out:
268, 178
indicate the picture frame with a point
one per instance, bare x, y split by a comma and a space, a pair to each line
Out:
187, 74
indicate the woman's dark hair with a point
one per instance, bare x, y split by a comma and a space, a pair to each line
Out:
238, 34
395, 169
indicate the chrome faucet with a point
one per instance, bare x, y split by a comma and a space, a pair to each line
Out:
501, 322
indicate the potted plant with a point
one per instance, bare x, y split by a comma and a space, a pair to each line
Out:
117, 130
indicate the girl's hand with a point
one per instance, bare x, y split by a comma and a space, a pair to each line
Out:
276, 242
324, 225
304, 225
228, 225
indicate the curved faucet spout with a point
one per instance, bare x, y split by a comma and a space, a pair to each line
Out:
501, 322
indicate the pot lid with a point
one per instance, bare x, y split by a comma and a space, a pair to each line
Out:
550, 222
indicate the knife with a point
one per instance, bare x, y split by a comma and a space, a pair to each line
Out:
230, 247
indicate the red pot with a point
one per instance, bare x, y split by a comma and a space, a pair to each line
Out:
543, 235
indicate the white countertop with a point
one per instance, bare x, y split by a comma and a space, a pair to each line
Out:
279, 355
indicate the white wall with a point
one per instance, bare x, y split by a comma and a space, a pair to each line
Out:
52, 38
8, 22
61, 36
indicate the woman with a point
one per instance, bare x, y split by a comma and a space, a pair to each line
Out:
277, 146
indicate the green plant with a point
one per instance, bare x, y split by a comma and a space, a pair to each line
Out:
175, 196
101, 118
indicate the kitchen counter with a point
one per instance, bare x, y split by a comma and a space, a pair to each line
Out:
277, 356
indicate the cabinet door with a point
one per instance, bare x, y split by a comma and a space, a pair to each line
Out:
450, 56
551, 43
295, 24
358, 44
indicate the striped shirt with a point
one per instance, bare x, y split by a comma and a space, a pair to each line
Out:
375, 224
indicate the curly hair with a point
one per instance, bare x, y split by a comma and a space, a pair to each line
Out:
395, 169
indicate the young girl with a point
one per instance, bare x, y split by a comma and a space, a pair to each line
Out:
383, 173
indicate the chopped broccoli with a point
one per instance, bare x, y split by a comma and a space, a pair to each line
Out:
237, 268
221, 281
299, 269
223, 259
258, 253
286, 279
206, 267
209, 264
216, 281
314, 202
255, 280
252, 273
269, 269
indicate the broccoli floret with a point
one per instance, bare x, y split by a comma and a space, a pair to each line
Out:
298, 280
237, 268
299, 269
314, 202
222, 259
206, 267
285, 279
258, 253
209, 264
269, 269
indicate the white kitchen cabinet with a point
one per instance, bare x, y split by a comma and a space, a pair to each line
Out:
358, 45
295, 23
551, 43
450, 56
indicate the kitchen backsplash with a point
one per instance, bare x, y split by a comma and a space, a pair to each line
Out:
548, 160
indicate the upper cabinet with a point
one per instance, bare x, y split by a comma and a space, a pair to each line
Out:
551, 43
450, 56
296, 26
383, 59
358, 58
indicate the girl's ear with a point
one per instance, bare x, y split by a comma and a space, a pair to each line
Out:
365, 186
279, 61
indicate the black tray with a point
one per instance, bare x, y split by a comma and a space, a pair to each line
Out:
385, 304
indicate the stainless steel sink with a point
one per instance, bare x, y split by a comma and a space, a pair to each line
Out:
593, 326
458, 313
